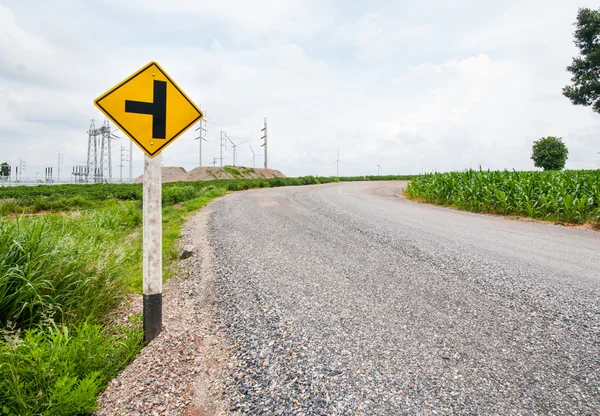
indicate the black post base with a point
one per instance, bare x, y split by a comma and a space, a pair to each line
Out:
152, 316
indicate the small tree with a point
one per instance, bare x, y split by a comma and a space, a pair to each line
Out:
549, 153
586, 67
4, 169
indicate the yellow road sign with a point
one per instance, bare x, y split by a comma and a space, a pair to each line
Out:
149, 108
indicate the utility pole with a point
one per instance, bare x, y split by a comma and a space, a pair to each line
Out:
130, 161
265, 143
123, 159
214, 161
203, 129
21, 169
60, 161
221, 147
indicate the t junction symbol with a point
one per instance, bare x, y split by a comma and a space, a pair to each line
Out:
157, 109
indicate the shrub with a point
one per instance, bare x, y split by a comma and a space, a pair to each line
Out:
59, 371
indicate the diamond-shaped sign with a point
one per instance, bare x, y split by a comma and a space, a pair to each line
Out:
149, 108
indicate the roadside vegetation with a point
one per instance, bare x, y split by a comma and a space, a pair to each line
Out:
32, 199
59, 277
68, 255
571, 196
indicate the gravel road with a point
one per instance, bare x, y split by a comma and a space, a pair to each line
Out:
347, 299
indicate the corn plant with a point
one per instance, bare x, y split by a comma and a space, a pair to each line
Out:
571, 196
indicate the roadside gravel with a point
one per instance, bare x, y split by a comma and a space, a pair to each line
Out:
342, 299
180, 372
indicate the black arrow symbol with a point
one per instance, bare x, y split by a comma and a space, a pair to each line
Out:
157, 109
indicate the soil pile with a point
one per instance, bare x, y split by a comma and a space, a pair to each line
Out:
179, 174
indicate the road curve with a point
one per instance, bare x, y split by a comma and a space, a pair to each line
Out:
347, 299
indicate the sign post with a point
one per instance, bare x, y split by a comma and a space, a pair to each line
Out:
152, 247
152, 111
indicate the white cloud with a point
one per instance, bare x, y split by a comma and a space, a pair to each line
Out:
449, 85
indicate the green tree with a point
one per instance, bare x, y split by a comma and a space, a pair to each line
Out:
549, 153
586, 67
4, 169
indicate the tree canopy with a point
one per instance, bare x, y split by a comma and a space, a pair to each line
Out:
585, 88
549, 153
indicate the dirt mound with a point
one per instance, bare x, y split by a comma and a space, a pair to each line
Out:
179, 174
169, 174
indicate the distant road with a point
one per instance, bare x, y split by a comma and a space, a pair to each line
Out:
347, 299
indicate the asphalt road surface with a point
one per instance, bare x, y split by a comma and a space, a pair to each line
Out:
347, 299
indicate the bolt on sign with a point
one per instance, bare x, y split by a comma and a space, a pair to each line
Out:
150, 108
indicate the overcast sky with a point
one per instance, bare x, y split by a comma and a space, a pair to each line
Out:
420, 85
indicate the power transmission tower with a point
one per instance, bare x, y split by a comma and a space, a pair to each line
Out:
99, 158
338, 161
265, 143
202, 136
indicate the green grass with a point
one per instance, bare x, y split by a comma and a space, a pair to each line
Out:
55, 370
59, 277
32, 199
174, 218
60, 274
564, 196
233, 171
68, 263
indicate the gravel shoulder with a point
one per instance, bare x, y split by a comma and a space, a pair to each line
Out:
181, 371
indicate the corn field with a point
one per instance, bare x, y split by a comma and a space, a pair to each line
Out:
571, 196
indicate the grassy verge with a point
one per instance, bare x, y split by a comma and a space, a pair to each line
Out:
32, 199
60, 274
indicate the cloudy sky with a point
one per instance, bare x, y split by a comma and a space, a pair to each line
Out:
433, 84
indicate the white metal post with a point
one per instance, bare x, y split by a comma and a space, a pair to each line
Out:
131, 161
152, 240
265, 143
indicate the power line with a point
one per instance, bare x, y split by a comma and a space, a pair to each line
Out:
230, 127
